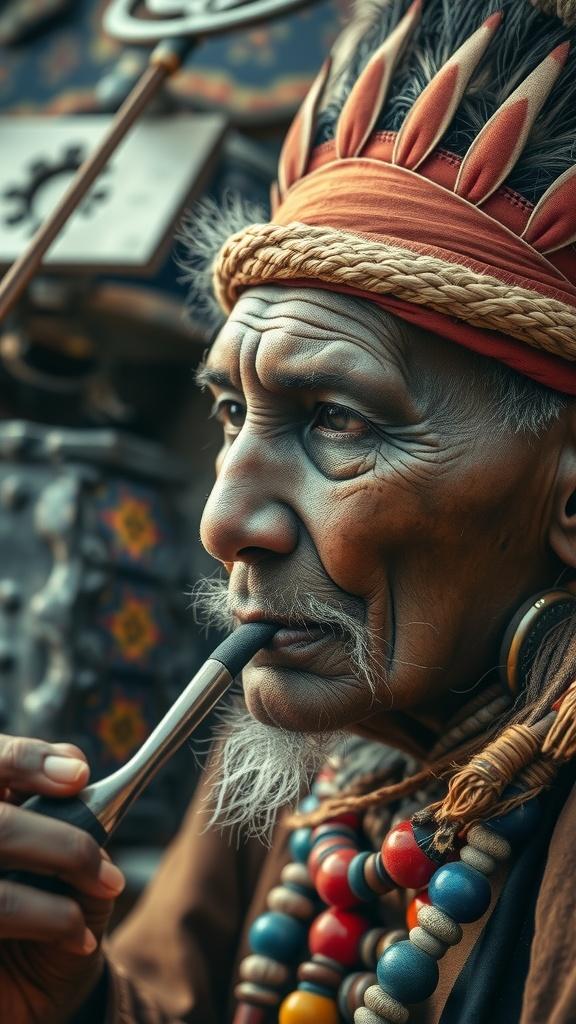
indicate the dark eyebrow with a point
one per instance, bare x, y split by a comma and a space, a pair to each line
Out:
312, 381
205, 377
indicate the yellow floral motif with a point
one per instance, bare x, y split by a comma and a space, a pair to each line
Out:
122, 727
133, 525
134, 629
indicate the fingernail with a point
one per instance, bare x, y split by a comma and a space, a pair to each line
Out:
64, 769
89, 941
111, 877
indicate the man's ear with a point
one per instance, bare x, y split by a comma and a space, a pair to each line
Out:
563, 511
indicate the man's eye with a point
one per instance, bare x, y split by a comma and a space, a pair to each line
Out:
337, 419
231, 414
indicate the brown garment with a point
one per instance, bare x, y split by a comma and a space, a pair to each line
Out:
174, 960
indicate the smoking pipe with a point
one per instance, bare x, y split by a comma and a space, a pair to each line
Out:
99, 808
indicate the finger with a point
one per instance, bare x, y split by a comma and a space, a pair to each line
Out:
30, 914
34, 766
33, 842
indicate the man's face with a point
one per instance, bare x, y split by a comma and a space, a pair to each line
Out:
363, 465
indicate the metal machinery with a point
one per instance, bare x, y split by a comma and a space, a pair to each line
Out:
104, 463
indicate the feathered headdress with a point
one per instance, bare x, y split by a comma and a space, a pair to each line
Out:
432, 169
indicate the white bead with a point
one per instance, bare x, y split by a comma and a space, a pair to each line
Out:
439, 925
385, 1006
364, 1016
486, 841
477, 859
428, 942
262, 970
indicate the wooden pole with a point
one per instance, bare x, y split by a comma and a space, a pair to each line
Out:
164, 60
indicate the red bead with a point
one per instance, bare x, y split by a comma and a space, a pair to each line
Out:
337, 934
332, 879
421, 900
325, 848
404, 860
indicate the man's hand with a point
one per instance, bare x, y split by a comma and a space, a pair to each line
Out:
49, 944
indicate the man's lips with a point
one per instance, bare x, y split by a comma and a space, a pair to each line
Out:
289, 634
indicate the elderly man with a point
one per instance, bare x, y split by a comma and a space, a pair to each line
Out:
397, 492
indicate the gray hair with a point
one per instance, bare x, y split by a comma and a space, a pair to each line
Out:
522, 405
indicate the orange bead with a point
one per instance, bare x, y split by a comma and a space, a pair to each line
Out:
308, 1008
421, 900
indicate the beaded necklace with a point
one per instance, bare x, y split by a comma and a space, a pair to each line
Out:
357, 971
324, 902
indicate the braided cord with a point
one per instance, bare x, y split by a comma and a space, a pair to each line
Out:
270, 252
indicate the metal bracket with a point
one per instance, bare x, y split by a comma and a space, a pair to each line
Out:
196, 18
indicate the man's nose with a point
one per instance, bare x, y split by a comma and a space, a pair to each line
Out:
244, 520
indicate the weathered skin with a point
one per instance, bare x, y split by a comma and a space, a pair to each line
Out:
414, 510
419, 513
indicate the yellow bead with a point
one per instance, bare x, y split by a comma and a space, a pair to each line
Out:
308, 1008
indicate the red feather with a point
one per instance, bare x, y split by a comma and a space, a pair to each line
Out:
499, 145
552, 224
296, 148
362, 108
434, 109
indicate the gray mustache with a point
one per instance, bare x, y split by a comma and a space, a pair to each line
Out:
213, 605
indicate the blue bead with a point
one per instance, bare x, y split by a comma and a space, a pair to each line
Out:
337, 831
518, 824
460, 891
278, 936
356, 879
309, 803
407, 973
318, 990
300, 844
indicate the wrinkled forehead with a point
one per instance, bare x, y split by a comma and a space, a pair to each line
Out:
282, 329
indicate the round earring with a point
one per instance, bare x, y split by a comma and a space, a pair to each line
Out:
528, 628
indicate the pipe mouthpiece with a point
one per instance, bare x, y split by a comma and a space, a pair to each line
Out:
237, 649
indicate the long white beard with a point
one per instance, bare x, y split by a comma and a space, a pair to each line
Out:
260, 770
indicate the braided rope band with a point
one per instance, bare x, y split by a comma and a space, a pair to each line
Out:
268, 253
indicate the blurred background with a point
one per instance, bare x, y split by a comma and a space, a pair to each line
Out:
106, 449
